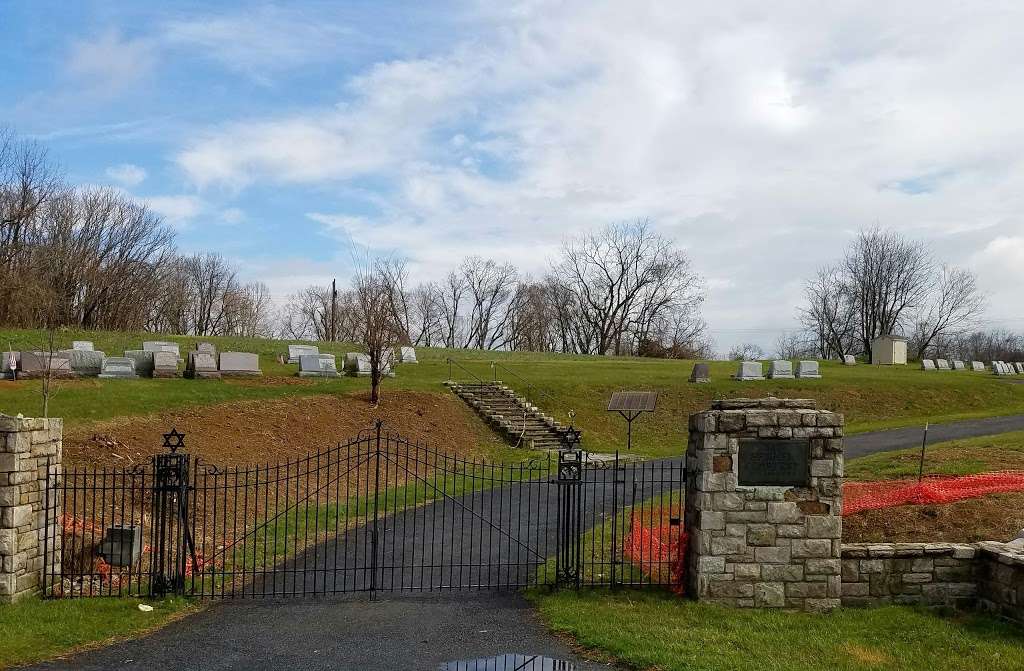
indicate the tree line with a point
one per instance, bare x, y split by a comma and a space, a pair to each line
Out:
621, 289
96, 258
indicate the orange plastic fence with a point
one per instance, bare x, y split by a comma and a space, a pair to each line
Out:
859, 496
656, 549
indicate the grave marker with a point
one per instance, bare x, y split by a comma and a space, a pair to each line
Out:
701, 373
87, 363
357, 364
407, 355
977, 367
808, 369
33, 365
6, 367
207, 347
780, 369
82, 345
849, 360
165, 364
927, 364
317, 365
942, 364
118, 367
201, 365
295, 352
143, 361
958, 365
239, 364
750, 370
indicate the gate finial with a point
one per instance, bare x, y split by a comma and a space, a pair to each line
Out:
174, 440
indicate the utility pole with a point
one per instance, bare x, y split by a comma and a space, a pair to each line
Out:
334, 310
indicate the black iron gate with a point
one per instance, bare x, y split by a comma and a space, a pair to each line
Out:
377, 513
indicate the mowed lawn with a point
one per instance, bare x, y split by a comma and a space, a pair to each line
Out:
871, 397
658, 630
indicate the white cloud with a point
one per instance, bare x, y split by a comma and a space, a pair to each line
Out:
759, 136
232, 216
109, 63
127, 174
178, 211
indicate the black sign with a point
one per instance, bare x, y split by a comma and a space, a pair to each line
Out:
779, 463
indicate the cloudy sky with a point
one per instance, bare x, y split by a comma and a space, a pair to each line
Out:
760, 136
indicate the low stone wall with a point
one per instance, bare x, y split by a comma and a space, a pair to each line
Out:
985, 575
26, 446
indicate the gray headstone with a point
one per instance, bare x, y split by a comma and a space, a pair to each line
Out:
407, 355
84, 361
317, 365
165, 364
118, 367
750, 370
780, 370
977, 367
942, 364
958, 365
807, 369
201, 365
701, 373
849, 360
207, 347
295, 352
927, 364
33, 364
143, 361
82, 345
239, 363
357, 363
161, 346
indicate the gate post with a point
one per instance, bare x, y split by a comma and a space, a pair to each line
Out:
171, 535
567, 559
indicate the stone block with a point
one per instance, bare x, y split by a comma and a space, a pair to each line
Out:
821, 605
761, 535
807, 590
10, 495
809, 548
772, 555
770, 595
727, 545
823, 566
784, 513
709, 565
8, 541
790, 531
18, 442
712, 520
856, 589
782, 572
727, 501
15, 516
747, 571
824, 526
731, 589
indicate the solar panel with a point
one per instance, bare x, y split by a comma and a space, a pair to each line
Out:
633, 401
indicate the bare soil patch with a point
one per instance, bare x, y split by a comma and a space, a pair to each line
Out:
268, 431
997, 517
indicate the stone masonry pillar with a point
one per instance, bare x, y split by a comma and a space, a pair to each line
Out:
764, 501
26, 446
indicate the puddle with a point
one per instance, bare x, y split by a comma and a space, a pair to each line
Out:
509, 663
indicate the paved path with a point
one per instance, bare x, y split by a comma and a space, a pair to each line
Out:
390, 634
862, 444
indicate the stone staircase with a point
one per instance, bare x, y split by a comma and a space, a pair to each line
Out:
507, 413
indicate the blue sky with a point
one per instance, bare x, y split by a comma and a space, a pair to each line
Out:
760, 138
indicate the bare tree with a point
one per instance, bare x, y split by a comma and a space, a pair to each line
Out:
746, 352
955, 307
450, 296
490, 286
380, 328
830, 313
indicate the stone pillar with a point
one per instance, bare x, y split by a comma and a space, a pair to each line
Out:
764, 501
26, 447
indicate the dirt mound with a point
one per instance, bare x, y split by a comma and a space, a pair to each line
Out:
998, 517
265, 431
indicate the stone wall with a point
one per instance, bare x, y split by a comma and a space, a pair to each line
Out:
986, 575
764, 546
26, 447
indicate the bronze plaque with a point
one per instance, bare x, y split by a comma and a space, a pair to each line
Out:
777, 463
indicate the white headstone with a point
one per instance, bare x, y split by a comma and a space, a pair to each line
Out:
207, 347
165, 364
82, 345
1020, 367
942, 364
118, 367
297, 351
239, 363
958, 365
407, 355
927, 364
807, 369
357, 363
201, 365
780, 370
750, 370
849, 360
977, 367
317, 365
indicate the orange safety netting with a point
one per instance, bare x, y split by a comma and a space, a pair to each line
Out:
860, 496
656, 549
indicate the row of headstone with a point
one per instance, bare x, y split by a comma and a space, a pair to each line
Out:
779, 369
943, 364
325, 366
1004, 368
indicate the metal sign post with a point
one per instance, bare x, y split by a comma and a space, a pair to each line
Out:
631, 404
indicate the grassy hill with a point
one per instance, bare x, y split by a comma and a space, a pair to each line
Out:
871, 397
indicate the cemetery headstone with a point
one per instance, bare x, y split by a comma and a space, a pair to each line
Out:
407, 355
780, 369
8, 370
162, 346
927, 364
977, 367
750, 370
357, 363
295, 352
1020, 368
143, 361
942, 364
849, 360
82, 345
201, 365
807, 369
207, 347
33, 365
241, 364
118, 367
165, 364
317, 365
701, 373
958, 365
85, 362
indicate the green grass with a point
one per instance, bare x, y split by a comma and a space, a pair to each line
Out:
34, 630
871, 397
957, 457
657, 630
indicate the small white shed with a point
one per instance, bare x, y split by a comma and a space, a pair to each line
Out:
889, 350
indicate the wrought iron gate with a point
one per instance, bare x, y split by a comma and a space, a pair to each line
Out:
377, 513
